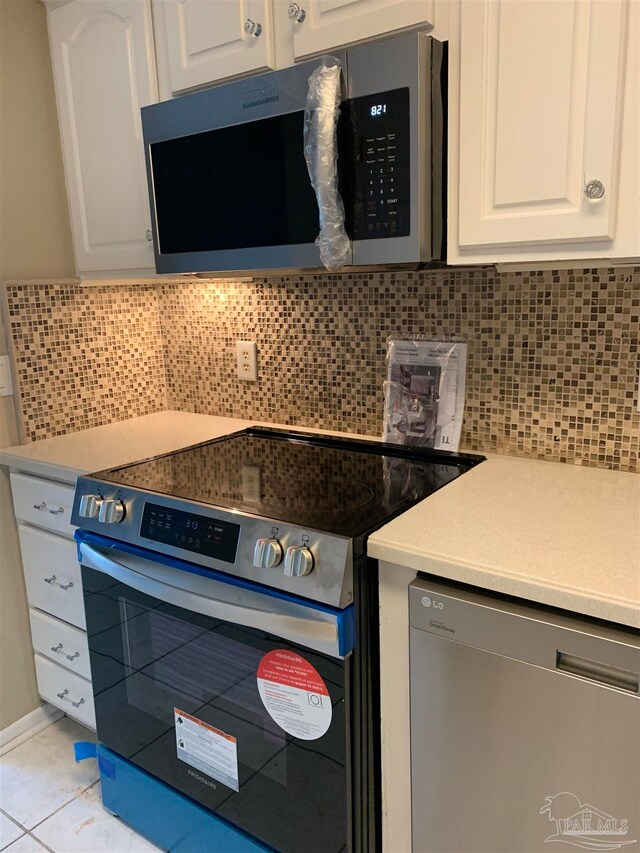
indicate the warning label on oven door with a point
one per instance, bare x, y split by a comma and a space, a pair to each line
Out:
294, 694
207, 749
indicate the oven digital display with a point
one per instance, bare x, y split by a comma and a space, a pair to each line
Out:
191, 532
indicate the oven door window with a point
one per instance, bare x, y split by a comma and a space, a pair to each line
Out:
149, 658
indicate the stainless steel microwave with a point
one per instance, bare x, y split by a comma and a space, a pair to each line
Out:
228, 183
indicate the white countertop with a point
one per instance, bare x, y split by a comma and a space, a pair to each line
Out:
66, 456
557, 534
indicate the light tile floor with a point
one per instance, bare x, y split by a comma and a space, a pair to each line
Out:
50, 803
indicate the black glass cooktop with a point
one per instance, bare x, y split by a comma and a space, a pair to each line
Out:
332, 485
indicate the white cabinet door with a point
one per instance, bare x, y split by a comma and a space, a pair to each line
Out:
104, 71
52, 574
64, 644
66, 690
202, 41
539, 111
43, 503
320, 25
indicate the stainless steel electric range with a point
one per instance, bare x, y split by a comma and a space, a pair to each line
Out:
232, 618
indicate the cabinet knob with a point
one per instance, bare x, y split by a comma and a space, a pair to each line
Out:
296, 13
594, 189
252, 28
149, 234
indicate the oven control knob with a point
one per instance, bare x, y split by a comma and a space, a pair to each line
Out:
89, 506
111, 512
298, 561
267, 553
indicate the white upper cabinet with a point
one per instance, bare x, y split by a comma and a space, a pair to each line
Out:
104, 71
203, 41
536, 105
320, 25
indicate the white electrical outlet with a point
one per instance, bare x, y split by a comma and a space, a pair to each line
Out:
251, 477
6, 386
247, 352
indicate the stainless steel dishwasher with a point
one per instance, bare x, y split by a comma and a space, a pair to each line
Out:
525, 726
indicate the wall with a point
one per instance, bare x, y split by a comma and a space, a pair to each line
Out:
35, 240
35, 236
552, 368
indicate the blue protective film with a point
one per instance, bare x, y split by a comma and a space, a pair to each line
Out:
85, 749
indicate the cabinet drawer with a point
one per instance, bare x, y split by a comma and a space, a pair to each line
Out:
66, 690
63, 643
52, 574
43, 503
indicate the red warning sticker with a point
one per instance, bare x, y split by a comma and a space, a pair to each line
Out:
294, 694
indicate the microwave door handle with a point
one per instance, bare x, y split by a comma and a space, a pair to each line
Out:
321, 154
307, 629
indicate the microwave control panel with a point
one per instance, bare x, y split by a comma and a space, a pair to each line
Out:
383, 179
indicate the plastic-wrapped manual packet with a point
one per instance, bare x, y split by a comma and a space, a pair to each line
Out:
424, 393
321, 154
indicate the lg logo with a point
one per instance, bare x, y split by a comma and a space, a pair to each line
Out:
427, 602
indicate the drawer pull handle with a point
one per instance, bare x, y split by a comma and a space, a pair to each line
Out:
54, 582
59, 649
42, 507
66, 698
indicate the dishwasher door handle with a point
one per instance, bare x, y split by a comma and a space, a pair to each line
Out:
603, 673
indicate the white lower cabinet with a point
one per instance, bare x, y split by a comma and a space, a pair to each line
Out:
42, 503
54, 592
66, 690
52, 574
62, 643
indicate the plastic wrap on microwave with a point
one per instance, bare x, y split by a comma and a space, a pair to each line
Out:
424, 393
321, 155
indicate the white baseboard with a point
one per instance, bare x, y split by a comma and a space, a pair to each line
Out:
27, 726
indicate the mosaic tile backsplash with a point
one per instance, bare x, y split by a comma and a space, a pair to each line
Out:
552, 367
85, 356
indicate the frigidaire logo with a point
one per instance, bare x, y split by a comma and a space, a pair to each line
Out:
267, 95
202, 779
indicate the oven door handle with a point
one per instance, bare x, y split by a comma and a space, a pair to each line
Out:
321, 630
